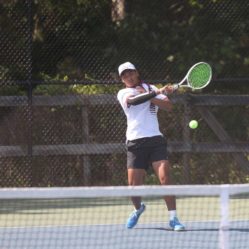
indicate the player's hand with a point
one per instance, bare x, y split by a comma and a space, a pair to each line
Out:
168, 89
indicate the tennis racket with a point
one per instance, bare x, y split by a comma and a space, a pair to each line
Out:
198, 77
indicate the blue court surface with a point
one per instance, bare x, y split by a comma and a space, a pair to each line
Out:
201, 235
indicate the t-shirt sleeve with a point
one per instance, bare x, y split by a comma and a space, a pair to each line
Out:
122, 94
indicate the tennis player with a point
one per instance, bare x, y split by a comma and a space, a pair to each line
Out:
145, 143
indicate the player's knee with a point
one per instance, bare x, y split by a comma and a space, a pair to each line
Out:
164, 180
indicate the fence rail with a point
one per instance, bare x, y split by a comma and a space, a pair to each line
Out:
115, 148
104, 99
107, 99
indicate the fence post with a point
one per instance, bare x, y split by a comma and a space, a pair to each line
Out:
186, 140
86, 158
30, 26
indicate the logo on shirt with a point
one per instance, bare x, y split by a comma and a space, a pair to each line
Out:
152, 108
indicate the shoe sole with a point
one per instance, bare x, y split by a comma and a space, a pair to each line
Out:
178, 229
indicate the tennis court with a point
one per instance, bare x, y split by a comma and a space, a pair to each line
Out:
99, 222
197, 235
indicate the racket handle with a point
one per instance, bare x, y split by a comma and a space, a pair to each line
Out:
175, 87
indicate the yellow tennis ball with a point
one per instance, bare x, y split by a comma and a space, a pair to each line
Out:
193, 124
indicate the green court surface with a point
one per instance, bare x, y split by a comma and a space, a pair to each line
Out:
106, 211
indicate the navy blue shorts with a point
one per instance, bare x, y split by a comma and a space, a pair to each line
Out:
143, 151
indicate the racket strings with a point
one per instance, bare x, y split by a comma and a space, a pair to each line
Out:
199, 76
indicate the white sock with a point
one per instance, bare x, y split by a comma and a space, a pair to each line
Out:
172, 214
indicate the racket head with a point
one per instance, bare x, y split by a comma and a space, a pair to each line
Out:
199, 75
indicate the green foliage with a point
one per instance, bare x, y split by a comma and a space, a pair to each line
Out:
79, 38
63, 83
95, 89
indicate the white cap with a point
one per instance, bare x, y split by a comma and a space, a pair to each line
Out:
125, 66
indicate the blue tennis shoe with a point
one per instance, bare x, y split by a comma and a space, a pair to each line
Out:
176, 225
133, 219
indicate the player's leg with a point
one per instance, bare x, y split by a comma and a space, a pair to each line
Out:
161, 169
136, 178
136, 163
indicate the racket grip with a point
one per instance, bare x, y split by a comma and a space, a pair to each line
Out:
175, 87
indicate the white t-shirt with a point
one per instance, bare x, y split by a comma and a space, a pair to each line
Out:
141, 119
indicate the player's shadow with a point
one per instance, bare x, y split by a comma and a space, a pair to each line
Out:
245, 230
194, 229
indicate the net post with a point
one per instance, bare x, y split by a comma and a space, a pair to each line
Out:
224, 222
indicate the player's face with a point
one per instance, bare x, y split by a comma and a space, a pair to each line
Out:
130, 78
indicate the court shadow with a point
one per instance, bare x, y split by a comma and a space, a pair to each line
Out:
244, 230
158, 228
189, 229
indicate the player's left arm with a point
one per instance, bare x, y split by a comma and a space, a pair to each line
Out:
164, 104
161, 100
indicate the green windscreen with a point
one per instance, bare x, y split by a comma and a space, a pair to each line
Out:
200, 75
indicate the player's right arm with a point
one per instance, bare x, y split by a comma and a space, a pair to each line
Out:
139, 95
135, 96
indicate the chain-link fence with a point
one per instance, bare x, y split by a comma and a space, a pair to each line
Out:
61, 124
